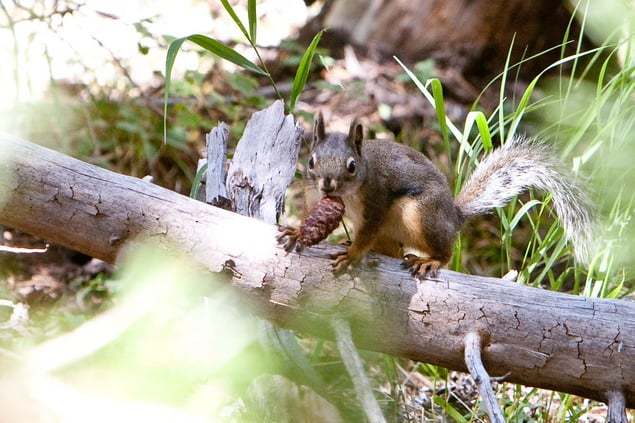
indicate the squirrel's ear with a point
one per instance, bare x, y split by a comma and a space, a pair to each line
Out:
356, 135
318, 130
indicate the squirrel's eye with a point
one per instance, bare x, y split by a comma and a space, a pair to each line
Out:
311, 163
351, 165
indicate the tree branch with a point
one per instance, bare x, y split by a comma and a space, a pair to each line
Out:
617, 409
479, 374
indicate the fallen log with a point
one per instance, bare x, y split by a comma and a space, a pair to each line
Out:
539, 338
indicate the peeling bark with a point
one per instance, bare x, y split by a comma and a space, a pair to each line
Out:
568, 343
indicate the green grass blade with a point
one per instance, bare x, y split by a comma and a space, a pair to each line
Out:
577, 51
228, 7
253, 20
483, 130
551, 260
523, 211
439, 105
452, 412
501, 111
453, 129
514, 66
466, 148
302, 73
221, 50
520, 110
213, 46
196, 184
524, 101
173, 50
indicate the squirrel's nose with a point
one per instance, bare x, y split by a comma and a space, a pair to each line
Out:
328, 185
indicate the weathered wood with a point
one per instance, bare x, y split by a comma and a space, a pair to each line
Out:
250, 183
474, 363
216, 141
616, 412
573, 344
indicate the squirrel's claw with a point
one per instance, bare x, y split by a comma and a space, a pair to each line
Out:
342, 261
421, 268
288, 238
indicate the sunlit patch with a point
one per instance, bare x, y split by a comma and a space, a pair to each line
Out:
172, 335
254, 241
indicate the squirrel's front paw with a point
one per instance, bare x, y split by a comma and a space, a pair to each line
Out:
288, 238
344, 260
421, 267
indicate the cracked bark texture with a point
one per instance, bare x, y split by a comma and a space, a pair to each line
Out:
545, 339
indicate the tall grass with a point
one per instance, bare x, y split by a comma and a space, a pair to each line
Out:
586, 112
586, 137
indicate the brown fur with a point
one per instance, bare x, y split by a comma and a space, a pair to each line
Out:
396, 200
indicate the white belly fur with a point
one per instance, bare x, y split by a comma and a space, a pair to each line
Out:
353, 210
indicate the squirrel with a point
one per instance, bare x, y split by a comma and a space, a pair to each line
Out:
398, 201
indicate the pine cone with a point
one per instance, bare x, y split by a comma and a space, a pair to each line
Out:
323, 219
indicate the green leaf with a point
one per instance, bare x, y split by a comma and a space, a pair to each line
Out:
302, 74
523, 211
173, 49
228, 7
221, 50
455, 131
439, 106
196, 184
483, 130
253, 19
452, 412
213, 46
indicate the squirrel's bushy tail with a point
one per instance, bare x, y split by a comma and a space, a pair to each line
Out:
526, 163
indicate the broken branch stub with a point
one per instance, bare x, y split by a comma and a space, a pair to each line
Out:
263, 164
215, 191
